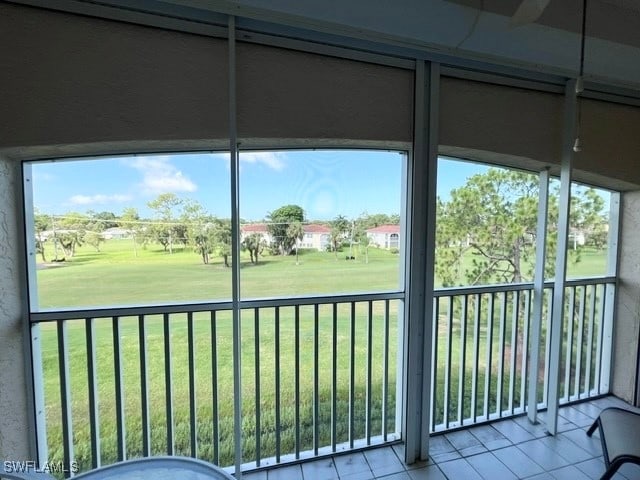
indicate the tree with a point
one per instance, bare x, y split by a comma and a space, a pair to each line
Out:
366, 221
130, 221
102, 220
492, 219
339, 228
587, 217
96, 223
221, 240
160, 233
164, 229
278, 225
296, 232
94, 239
197, 228
180, 233
204, 245
41, 223
365, 241
255, 244
72, 227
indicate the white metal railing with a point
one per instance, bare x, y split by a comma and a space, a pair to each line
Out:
481, 349
319, 375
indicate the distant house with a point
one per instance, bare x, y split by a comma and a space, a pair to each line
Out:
116, 233
385, 236
316, 236
47, 234
251, 228
577, 237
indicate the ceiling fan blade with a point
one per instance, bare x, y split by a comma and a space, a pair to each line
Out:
528, 12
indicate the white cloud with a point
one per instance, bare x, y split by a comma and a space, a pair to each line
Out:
273, 160
160, 176
98, 199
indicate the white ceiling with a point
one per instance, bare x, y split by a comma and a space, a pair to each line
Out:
474, 30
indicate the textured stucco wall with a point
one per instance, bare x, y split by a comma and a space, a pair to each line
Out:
627, 326
14, 442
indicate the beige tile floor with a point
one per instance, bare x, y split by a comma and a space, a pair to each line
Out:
507, 449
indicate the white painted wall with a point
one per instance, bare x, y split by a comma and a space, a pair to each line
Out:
627, 321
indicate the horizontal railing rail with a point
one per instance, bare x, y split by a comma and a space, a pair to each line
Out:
124, 311
510, 287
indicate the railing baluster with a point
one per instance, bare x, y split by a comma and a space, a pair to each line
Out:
65, 395
297, 379
580, 343
144, 387
489, 352
525, 349
352, 374
476, 358
547, 349
385, 372
316, 379
569, 348
369, 367
590, 327
277, 381
214, 388
193, 421
514, 351
119, 392
607, 350
334, 378
447, 367
168, 383
599, 344
256, 360
94, 418
434, 362
463, 358
501, 342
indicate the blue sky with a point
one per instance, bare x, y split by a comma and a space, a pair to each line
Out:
326, 183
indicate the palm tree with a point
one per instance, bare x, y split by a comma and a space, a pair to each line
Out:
254, 243
295, 232
365, 242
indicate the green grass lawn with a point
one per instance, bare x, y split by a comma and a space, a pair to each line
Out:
115, 276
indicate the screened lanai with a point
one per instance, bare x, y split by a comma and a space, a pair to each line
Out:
328, 341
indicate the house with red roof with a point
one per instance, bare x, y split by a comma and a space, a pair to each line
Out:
251, 228
316, 236
385, 236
